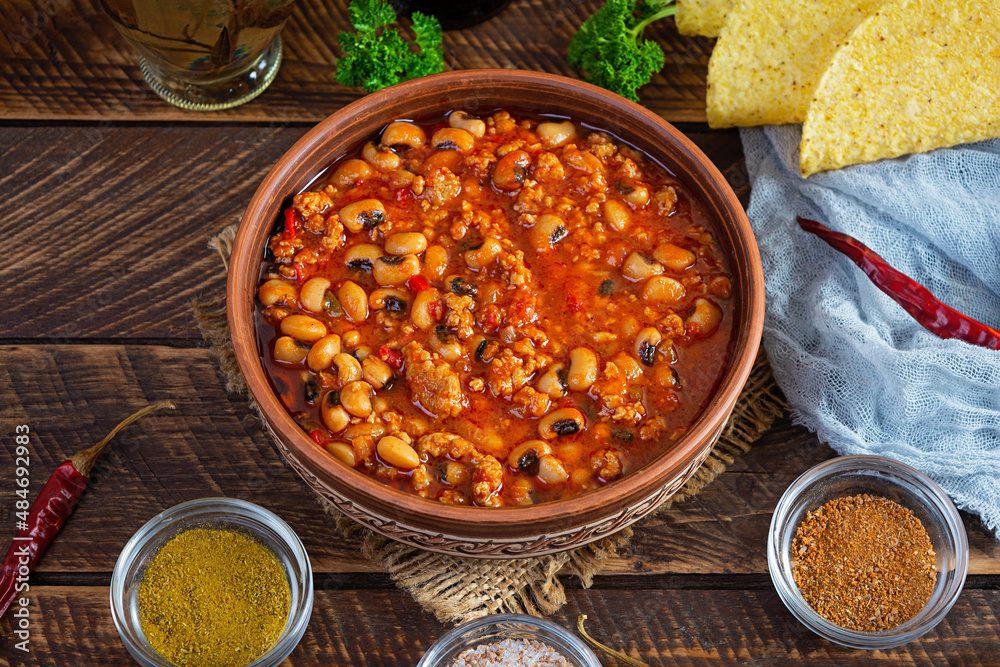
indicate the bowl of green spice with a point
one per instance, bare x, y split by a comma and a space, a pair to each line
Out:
867, 552
214, 582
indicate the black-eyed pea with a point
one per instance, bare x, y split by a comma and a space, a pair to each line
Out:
290, 350
380, 157
334, 415
362, 256
402, 133
363, 214
549, 230
617, 214
376, 372
645, 345
526, 455
351, 339
582, 369
353, 300
554, 135
395, 301
427, 308
663, 290
405, 243
629, 326
435, 263
639, 267
343, 453
511, 170
580, 476
365, 430
356, 397
551, 470
395, 269
415, 424
446, 158
313, 293
638, 196
350, 172
720, 286
380, 405
277, 291
397, 453
446, 344
348, 368
563, 422
551, 382
483, 256
702, 321
453, 138
304, 328
674, 257
323, 351
628, 365
455, 473
464, 121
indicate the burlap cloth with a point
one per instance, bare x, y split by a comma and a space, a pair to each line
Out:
458, 589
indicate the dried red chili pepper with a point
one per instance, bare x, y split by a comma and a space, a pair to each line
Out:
935, 316
51, 509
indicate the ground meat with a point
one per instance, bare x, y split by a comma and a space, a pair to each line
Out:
487, 479
607, 463
531, 402
432, 382
459, 314
442, 186
509, 372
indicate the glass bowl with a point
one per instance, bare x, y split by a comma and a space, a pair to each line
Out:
498, 627
877, 476
265, 526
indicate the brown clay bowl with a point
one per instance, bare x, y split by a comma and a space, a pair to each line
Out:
501, 532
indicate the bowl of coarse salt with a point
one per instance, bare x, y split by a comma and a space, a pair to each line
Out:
506, 640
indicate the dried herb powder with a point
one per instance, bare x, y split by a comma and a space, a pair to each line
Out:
864, 562
213, 598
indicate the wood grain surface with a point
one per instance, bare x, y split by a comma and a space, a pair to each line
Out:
64, 59
660, 627
120, 218
210, 446
110, 197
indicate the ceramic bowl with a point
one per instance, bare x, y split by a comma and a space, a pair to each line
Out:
497, 532
876, 476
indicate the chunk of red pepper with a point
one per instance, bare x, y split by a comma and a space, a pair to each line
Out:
291, 222
417, 283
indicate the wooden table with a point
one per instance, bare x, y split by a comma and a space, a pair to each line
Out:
109, 197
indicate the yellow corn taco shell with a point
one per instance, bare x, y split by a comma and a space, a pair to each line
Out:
771, 55
917, 75
701, 17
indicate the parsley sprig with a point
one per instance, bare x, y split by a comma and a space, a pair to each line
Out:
376, 56
609, 48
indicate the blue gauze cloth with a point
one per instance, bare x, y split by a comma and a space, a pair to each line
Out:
855, 367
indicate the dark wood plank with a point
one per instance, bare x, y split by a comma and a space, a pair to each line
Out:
72, 626
110, 224
71, 395
63, 59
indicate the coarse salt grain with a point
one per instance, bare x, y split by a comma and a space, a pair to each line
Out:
511, 653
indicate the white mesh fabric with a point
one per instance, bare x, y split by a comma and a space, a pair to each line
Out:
855, 367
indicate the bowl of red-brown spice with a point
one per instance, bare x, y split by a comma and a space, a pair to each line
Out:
867, 552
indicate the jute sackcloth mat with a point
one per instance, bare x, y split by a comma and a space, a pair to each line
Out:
458, 589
